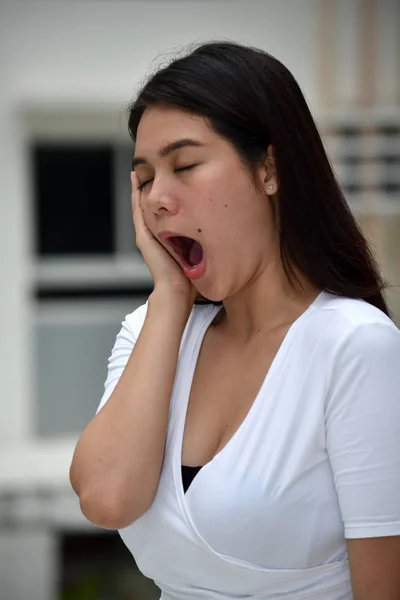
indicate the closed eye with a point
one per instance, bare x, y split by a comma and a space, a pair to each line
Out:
142, 185
185, 168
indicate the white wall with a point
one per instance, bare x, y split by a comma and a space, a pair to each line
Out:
99, 50
29, 564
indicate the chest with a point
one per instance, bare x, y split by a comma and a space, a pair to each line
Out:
226, 381
266, 493
266, 498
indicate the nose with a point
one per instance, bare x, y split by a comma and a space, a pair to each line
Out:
161, 199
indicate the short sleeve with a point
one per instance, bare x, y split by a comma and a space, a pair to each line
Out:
363, 430
124, 344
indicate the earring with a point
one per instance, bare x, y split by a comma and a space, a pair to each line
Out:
271, 186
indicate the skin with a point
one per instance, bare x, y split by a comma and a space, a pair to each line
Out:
228, 210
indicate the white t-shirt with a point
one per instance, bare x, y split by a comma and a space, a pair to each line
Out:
316, 461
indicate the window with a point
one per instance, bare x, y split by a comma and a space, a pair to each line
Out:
73, 199
88, 274
367, 160
365, 149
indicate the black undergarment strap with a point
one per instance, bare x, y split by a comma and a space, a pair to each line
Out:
188, 474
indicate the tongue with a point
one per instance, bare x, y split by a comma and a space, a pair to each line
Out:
195, 254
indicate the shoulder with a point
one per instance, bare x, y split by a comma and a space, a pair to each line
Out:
354, 326
134, 321
359, 353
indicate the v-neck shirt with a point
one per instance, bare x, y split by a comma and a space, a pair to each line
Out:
315, 461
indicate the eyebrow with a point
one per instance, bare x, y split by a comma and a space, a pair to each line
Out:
139, 160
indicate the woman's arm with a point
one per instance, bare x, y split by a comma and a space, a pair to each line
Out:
375, 568
118, 458
363, 444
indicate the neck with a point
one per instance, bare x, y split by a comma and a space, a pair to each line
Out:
267, 303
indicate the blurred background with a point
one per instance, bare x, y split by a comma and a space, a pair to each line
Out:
69, 271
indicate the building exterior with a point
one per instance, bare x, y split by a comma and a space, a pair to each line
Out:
67, 72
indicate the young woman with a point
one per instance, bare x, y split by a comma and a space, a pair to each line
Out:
248, 441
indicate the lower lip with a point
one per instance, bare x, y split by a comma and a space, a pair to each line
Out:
195, 272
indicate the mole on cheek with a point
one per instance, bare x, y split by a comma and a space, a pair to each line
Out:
199, 230
226, 206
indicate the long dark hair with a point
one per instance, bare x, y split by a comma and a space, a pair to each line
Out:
252, 100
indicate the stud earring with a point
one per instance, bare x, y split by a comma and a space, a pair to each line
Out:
271, 186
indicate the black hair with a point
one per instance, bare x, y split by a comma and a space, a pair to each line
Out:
251, 99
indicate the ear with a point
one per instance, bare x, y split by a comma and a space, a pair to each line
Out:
270, 180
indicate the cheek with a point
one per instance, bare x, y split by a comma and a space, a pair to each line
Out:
238, 201
245, 220
229, 206
146, 211
149, 218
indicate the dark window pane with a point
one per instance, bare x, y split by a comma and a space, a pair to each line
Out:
391, 188
352, 188
348, 132
389, 130
99, 566
352, 161
73, 191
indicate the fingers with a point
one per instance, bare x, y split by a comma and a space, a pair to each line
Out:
138, 221
135, 192
136, 209
142, 232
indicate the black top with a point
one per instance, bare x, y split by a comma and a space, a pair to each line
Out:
188, 474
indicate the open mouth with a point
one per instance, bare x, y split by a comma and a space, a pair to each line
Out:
190, 251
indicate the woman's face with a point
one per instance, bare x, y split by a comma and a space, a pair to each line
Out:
194, 185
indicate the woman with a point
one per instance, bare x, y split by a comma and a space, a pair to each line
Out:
247, 446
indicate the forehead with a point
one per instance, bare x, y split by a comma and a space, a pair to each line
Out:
161, 125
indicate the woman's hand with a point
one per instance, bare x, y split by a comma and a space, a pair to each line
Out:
166, 272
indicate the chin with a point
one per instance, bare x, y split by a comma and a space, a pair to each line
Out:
210, 292
209, 298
